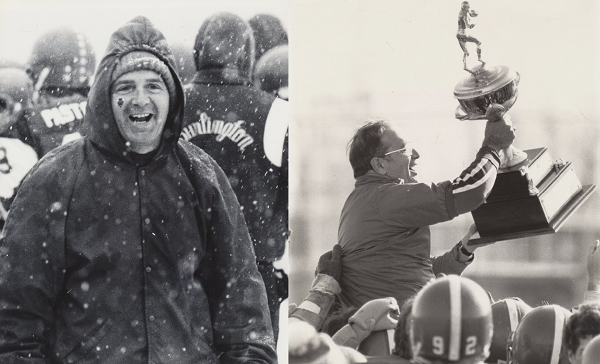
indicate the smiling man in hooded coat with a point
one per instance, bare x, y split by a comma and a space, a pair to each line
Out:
128, 245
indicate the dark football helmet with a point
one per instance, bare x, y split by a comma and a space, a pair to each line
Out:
506, 314
538, 338
451, 322
62, 60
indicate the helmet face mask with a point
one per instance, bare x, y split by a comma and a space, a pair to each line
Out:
506, 314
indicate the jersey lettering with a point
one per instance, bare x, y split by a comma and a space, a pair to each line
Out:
4, 164
63, 114
222, 129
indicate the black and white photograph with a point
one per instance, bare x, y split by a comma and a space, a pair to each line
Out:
276, 181
389, 159
124, 241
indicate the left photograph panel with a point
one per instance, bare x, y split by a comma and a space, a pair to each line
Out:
144, 181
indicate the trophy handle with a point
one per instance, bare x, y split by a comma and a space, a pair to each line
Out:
460, 113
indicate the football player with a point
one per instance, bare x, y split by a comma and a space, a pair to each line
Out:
451, 322
61, 66
539, 337
16, 155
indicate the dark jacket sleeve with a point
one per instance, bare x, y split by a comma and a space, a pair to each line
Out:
32, 263
474, 184
448, 262
238, 303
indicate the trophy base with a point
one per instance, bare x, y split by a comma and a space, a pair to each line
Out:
532, 198
549, 228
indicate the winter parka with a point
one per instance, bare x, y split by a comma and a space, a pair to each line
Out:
105, 261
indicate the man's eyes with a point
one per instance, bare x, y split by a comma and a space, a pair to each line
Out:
155, 86
125, 88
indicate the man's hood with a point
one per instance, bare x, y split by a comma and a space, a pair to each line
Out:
100, 125
225, 46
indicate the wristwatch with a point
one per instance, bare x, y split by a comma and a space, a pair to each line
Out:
464, 250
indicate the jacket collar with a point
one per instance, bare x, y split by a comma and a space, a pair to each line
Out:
374, 177
221, 76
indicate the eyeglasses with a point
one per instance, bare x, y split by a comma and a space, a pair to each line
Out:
407, 150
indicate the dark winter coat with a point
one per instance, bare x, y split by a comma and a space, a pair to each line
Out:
229, 119
102, 261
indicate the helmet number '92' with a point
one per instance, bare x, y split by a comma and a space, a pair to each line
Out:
438, 345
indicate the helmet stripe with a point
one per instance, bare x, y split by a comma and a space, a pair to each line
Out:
513, 314
559, 323
42, 78
455, 318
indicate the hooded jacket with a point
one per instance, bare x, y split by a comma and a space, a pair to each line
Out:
104, 261
241, 127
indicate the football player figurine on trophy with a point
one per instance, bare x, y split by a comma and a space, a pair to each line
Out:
464, 23
532, 194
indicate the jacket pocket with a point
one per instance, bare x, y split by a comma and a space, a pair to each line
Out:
89, 342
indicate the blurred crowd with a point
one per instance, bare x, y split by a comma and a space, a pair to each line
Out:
450, 320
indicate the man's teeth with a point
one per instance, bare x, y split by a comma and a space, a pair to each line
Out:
138, 118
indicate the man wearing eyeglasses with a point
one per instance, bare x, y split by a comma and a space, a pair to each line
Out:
384, 225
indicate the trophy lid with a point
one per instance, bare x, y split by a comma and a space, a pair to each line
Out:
484, 80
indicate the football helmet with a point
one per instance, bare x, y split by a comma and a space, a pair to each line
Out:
451, 322
16, 89
271, 72
506, 315
268, 33
538, 338
62, 58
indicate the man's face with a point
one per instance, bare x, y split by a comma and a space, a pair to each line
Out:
140, 103
7, 116
400, 163
575, 358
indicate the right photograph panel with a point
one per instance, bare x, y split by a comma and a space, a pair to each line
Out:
451, 143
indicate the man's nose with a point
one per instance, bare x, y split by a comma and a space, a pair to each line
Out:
415, 154
141, 97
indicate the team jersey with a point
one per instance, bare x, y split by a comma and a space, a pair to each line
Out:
16, 159
238, 125
56, 121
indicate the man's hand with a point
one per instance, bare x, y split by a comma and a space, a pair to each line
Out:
330, 263
376, 315
593, 267
499, 132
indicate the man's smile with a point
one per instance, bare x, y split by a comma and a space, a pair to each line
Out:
139, 118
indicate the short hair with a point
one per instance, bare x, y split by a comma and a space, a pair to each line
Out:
584, 322
366, 144
401, 334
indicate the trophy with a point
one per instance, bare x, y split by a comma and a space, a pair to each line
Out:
533, 194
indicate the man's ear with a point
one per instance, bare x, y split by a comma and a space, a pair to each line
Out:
378, 166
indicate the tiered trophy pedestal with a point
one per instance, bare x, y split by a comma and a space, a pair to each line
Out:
533, 198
